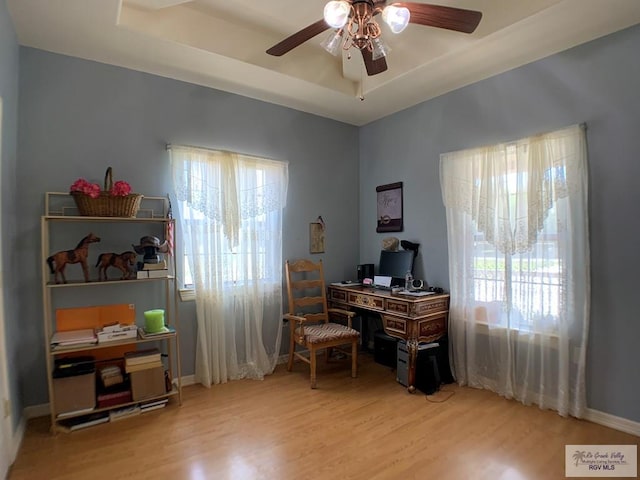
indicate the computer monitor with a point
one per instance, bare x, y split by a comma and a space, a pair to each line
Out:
395, 265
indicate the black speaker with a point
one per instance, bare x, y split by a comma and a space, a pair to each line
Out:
365, 271
427, 369
444, 368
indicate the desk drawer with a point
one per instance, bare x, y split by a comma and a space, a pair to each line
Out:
432, 328
365, 301
395, 326
426, 330
398, 306
338, 295
432, 306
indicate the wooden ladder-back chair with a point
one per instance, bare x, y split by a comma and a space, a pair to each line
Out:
309, 318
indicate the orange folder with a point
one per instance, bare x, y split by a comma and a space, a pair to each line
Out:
97, 317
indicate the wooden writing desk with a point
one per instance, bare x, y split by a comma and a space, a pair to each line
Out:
413, 319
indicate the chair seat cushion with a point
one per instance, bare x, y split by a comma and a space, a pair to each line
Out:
329, 331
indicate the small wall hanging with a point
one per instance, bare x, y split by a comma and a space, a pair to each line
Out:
316, 236
389, 207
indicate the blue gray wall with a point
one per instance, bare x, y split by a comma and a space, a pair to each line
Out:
596, 83
78, 117
10, 242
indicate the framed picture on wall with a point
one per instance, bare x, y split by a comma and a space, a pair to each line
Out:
316, 237
389, 207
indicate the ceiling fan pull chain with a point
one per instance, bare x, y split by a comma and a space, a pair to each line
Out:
361, 96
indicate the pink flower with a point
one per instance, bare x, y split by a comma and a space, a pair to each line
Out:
82, 186
120, 188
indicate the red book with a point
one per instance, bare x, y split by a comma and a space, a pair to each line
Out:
115, 398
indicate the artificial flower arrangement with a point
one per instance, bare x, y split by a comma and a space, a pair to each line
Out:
119, 188
115, 200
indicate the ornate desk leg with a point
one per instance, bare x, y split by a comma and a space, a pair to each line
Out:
412, 346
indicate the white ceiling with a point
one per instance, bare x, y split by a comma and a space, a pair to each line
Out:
222, 44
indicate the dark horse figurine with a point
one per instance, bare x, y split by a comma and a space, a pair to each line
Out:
77, 255
123, 261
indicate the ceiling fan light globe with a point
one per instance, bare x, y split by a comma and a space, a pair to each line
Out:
379, 49
333, 42
397, 18
336, 13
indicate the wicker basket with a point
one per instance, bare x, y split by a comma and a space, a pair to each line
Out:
107, 205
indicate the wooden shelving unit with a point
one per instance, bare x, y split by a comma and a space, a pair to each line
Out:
60, 209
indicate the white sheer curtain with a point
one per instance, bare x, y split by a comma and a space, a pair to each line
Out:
230, 209
519, 268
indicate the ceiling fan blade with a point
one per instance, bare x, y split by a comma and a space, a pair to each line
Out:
298, 38
451, 18
373, 67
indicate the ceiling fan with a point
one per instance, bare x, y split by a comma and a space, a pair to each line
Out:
355, 26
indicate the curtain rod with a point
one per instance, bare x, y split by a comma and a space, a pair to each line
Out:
169, 146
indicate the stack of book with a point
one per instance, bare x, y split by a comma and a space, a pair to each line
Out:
142, 360
84, 421
122, 413
73, 339
111, 375
153, 405
153, 270
165, 330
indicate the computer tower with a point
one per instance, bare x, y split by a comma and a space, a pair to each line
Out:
427, 374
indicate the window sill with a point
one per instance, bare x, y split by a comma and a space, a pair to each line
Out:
187, 294
484, 328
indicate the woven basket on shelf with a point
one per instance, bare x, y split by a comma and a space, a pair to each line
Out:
107, 205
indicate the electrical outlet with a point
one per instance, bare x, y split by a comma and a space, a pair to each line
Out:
7, 407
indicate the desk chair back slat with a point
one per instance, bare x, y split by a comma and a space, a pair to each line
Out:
316, 317
308, 305
305, 285
308, 301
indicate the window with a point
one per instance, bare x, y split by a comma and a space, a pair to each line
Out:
527, 283
230, 217
230, 211
235, 257
517, 232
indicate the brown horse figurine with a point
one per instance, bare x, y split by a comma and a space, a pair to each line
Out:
123, 261
77, 255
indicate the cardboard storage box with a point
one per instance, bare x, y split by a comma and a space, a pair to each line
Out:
74, 385
147, 383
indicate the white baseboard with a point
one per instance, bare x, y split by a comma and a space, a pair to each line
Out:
35, 411
611, 421
188, 380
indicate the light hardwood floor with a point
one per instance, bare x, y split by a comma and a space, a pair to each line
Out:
363, 428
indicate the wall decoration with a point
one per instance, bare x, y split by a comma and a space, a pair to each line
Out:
316, 236
389, 207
